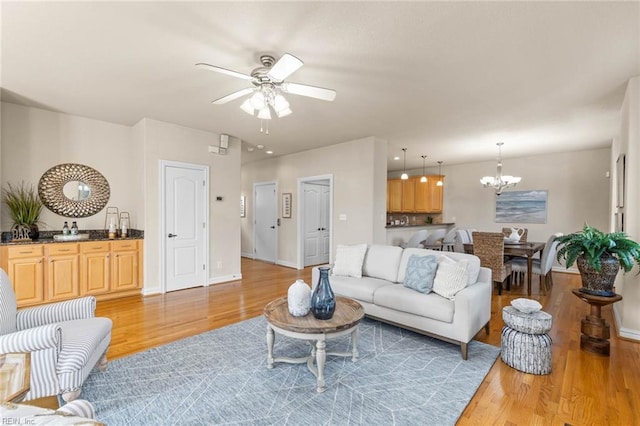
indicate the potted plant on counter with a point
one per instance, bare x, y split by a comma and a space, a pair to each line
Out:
25, 206
599, 257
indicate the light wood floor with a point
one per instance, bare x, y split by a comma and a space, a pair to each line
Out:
583, 389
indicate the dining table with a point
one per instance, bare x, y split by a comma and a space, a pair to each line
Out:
528, 249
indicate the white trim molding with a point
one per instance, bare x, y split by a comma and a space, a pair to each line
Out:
626, 333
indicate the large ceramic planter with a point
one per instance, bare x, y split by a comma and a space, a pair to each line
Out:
599, 283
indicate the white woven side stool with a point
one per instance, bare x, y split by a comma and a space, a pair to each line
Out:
526, 346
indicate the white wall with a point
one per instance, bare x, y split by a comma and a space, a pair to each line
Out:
628, 143
359, 184
34, 140
166, 141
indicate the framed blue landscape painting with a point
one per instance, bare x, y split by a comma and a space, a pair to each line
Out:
522, 207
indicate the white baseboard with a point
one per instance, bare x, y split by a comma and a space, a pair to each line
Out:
150, 291
624, 332
287, 264
565, 270
225, 278
249, 255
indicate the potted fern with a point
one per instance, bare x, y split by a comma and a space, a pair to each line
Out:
25, 206
599, 257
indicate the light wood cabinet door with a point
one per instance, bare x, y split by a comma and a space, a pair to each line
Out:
63, 270
435, 194
422, 202
394, 195
62, 277
408, 195
27, 278
124, 266
96, 273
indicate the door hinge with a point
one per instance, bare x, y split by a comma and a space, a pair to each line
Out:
204, 225
204, 183
203, 267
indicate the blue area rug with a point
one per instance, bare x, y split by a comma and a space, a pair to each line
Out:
221, 377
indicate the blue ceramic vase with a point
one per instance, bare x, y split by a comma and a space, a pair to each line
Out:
323, 301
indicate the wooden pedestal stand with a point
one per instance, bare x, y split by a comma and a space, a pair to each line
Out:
595, 330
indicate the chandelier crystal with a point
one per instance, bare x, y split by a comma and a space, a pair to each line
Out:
499, 182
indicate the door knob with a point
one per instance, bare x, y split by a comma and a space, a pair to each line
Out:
172, 235
272, 227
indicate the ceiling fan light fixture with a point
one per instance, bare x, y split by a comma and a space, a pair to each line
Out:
264, 113
283, 113
258, 100
247, 107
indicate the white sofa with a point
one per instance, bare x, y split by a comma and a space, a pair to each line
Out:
381, 292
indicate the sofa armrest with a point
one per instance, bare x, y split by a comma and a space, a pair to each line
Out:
33, 339
472, 307
81, 308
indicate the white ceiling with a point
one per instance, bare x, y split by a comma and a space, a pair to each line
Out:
443, 79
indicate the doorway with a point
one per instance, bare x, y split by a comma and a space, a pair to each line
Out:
185, 224
315, 205
265, 233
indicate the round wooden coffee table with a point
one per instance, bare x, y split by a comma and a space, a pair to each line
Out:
345, 321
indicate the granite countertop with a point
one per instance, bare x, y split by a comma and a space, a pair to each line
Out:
46, 237
419, 225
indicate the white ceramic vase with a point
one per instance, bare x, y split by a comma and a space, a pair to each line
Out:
299, 298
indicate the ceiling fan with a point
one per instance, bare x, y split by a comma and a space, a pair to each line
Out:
268, 86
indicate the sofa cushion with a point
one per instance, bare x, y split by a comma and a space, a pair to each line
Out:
451, 276
473, 267
361, 289
382, 262
349, 260
421, 270
406, 300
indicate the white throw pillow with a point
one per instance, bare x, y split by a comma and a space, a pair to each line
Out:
451, 277
349, 260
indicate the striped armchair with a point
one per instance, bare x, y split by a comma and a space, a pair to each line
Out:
65, 341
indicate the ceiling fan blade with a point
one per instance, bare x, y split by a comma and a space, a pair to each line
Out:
310, 91
232, 96
223, 71
286, 65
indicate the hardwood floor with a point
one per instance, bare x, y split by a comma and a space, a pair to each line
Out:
582, 389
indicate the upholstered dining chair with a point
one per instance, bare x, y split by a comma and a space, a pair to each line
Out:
434, 239
416, 240
489, 247
449, 240
541, 267
65, 340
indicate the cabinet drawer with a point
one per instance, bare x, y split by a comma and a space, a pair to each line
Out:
95, 247
24, 251
56, 249
124, 245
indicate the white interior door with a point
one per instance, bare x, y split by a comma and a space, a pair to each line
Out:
316, 217
264, 228
185, 225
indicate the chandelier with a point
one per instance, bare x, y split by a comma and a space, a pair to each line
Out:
499, 182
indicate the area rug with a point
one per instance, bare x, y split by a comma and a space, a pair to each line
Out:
221, 378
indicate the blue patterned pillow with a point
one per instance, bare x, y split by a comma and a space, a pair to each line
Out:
421, 270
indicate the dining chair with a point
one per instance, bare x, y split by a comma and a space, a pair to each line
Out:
449, 240
541, 267
462, 238
489, 247
434, 240
416, 240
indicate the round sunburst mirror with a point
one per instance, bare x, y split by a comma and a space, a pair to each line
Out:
73, 190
